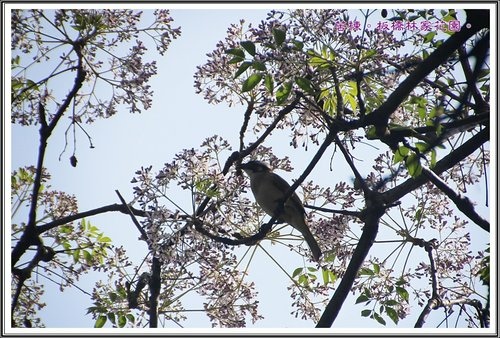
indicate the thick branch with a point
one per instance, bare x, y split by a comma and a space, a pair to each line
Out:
29, 235
154, 291
365, 243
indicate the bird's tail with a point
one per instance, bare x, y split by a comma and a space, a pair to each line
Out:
311, 242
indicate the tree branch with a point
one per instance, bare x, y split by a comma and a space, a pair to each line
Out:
365, 243
108, 208
334, 211
447, 162
463, 203
154, 290
475, 22
29, 236
129, 211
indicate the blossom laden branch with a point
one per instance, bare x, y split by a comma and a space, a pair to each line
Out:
463, 203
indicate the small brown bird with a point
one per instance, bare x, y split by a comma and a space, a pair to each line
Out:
269, 189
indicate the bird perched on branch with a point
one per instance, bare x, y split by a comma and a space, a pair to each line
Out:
269, 190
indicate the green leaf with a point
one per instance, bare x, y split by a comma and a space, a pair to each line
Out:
304, 84
66, 229
111, 317
235, 60
413, 165
244, 66
371, 133
296, 272
369, 53
298, 45
249, 47
329, 257
333, 276
400, 154
429, 36
269, 83
391, 302
401, 281
130, 317
257, 65
366, 313
317, 61
393, 314
14, 62
279, 36
403, 293
422, 146
303, 280
376, 268
366, 272
122, 321
88, 256
252, 81
378, 318
101, 320
104, 239
433, 158
122, 292
236, 52
326, 276
283, 92
113, 297
418, 214
76, 255
362, 299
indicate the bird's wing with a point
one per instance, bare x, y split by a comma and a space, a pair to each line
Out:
284, 186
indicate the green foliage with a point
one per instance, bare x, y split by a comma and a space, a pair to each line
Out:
113, 309
283, 92
269, 83
393, 295
22, 89
249, 47
205, 186
304, 84
279, 36
484, 271
243, 67
328, 276
86, 22
252, 81
305, 276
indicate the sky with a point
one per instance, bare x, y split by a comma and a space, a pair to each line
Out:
179, 119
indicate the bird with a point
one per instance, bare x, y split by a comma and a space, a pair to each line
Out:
269, 189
